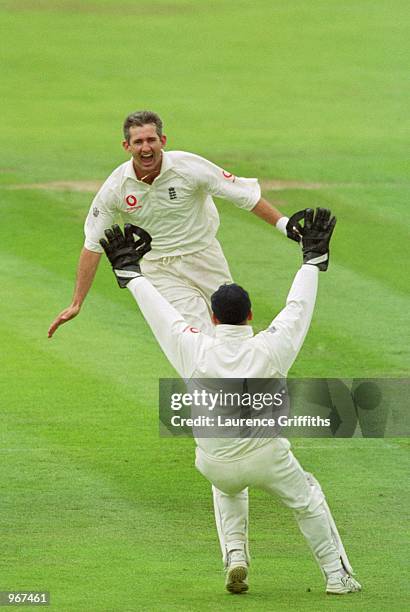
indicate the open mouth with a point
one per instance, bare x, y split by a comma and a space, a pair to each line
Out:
147, 159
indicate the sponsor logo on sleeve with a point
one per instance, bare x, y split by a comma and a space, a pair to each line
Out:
193, 330
172, 193
228, 176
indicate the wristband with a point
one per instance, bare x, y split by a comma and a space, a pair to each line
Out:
281, 225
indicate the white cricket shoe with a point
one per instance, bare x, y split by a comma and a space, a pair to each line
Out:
341, 585
237, 573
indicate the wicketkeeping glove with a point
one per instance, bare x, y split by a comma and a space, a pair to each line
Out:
124, 252
315, 236
293, 229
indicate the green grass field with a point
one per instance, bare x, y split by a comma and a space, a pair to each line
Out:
95, 507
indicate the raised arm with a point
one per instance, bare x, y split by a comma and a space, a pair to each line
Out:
177, 339
286, 334
173, 333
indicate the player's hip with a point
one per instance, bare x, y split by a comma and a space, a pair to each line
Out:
251, 469
206, 269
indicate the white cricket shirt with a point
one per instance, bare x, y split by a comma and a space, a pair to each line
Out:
177, 209
234, 351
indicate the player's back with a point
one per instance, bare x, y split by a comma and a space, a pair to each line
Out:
234, 352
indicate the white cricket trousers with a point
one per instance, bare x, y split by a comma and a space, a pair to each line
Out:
188, 281
274, 469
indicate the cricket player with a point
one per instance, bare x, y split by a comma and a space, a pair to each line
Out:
169, 193
233, 464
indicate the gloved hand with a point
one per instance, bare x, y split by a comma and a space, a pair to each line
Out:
293, 228
315, 234
124, 252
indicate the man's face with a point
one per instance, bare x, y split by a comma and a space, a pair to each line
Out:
145, 146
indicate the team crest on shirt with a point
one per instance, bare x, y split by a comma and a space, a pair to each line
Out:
96, 211
228, 176
172, 193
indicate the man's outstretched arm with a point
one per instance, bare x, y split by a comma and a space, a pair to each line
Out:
87, 267
243, 192
266, 211
287, 332
177, 339
174, 335
288, 329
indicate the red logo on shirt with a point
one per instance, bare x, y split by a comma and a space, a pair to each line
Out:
193, 330
228, 176
131, 200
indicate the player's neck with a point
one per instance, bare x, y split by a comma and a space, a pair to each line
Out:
148, 178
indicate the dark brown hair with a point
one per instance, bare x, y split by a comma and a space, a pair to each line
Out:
140, 118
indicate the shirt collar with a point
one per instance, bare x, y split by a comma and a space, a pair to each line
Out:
165, 165
233, 331
166, 162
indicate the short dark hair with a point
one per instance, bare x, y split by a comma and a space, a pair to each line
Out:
140, 118
231, 304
